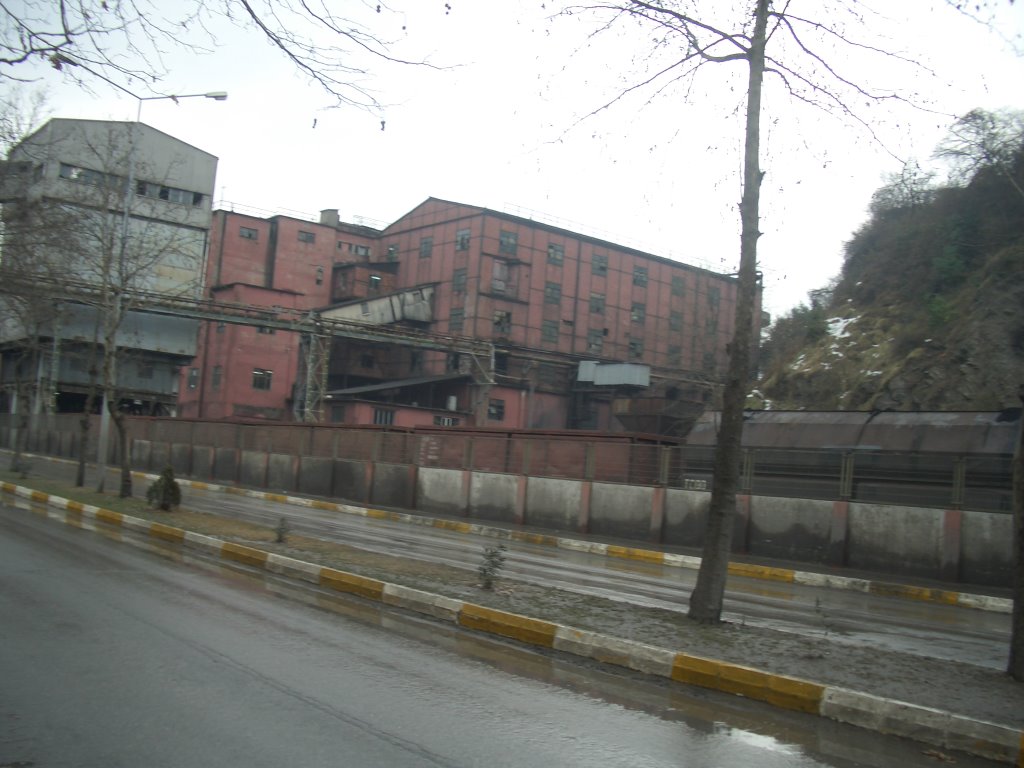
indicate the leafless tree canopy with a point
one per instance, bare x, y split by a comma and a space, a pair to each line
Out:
125, 42
818, 59
982, 139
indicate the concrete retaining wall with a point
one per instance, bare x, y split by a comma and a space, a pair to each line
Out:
953, 545
393, 485
894, 539
553, 503
986, 548
441, 491
686, 514
789, 528
493, 496
623, 511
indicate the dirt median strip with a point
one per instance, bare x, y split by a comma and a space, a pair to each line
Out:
746, 570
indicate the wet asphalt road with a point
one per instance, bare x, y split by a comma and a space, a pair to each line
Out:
112, 656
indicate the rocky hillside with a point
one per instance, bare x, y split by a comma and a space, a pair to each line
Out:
928, 313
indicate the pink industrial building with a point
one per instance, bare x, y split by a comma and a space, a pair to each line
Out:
473, 317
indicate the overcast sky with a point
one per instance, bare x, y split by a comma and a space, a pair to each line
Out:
501, 129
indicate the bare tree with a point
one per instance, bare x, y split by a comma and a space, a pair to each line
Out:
124, 41
912, 187
801, 54
1015, 668
29, 316
982, 139
140, 203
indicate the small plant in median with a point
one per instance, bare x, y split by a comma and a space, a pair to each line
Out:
164, 493
494, 559
281, 531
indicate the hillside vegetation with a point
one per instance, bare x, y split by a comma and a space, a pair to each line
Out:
928, 312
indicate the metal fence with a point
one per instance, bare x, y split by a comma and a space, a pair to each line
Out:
977, 482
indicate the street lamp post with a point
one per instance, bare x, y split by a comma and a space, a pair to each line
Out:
129, 193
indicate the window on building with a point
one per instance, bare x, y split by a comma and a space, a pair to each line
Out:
599, 266
508, 243
462, 238
342, 245
262, 378
597, 303
383, 416
714, 296
266, 330
496, 410
220, 326
248, 233
709, 362
638, 313
499, 279
392, 253
595, 341
193, 378
168, 194
501, 362
456, 320
639, 275
415, 360
426, 247
359, 250
636, 348
502, 321
459, 279
552, 293
549, 331
454, 362
447, 421
319, 275
678, 285
337, 413
366, 361
675, 354
675, 320
307, 237
218, 373
556, 253
373, 286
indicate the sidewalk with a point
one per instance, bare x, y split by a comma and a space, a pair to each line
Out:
948, 704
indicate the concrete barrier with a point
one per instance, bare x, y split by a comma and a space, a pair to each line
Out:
553, 503
896, 539
442, 491
621, 510
492, 496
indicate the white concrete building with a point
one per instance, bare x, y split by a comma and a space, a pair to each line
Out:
98, 214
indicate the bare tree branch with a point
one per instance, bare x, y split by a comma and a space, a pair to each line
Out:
125, 42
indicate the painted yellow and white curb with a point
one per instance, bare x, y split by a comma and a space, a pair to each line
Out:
639, 554
931, 726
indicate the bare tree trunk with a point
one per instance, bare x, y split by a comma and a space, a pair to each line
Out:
1016, 665
83, 445
90, 403
708, 594
123, 454
21, 424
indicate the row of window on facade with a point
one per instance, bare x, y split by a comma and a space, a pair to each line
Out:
386, 417
305, 236
113, 182
261, 378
